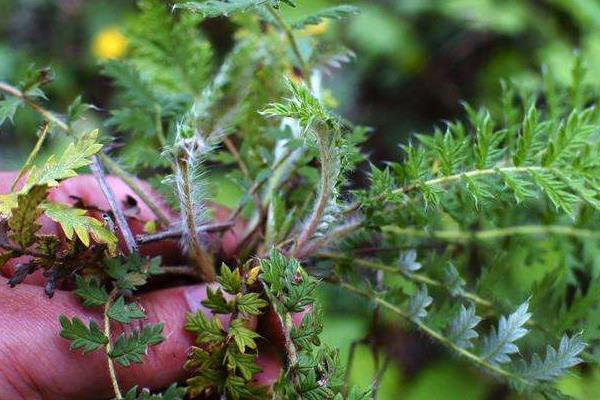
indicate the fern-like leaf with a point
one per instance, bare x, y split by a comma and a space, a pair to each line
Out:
462, 328
499, 344
418, 303
74, 221
556, 362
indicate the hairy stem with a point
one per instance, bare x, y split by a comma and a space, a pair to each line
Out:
471, 174
178, 233
111, 366
336, 234
323, 197
489, 234
180, 270
435, 334
42, 134
444, 180
98, 172
415, 277
203, 263
291, 351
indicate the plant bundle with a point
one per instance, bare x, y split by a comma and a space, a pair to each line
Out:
434, 241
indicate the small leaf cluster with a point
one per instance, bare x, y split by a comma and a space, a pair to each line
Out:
32, 89
497, 351
223, 361
521, 153
21, 210
313, 370
129, 347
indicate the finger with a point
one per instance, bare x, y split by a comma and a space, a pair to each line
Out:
37, 363
85, 189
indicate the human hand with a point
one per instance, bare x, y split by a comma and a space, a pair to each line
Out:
35, 363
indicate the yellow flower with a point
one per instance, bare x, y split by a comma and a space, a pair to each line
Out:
316, 30
109, 44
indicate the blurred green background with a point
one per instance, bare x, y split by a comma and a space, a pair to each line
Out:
415, 61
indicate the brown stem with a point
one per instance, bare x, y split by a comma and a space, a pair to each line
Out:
98, 172
203, 262
178, 233
115, 169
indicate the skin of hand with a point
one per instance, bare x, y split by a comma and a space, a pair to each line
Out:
35, 363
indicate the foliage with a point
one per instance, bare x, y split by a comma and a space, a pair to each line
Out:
224, 359
260, 120
313, 370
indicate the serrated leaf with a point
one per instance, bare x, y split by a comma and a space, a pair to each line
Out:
499, 344
461, 331
23, 218
75, 221
453, 281
418, 303
242, 336
132, 348
555, 190
251, 304
216, 302
556, 362
207, 330
81, 336
230, 281
243, 363
90, 292
133, 272
76, 110
124, 313
408, 261
76, 155
519, 186
8, 108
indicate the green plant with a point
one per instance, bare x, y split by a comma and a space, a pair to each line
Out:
472, 193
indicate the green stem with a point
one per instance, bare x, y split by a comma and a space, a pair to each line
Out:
43, 131
434, 334
415, 277
323, 197
293, 43
108, 348
335, 235
48, 116
463, 236
444, 180
471, 174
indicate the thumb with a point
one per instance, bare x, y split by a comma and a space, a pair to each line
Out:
39, 365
